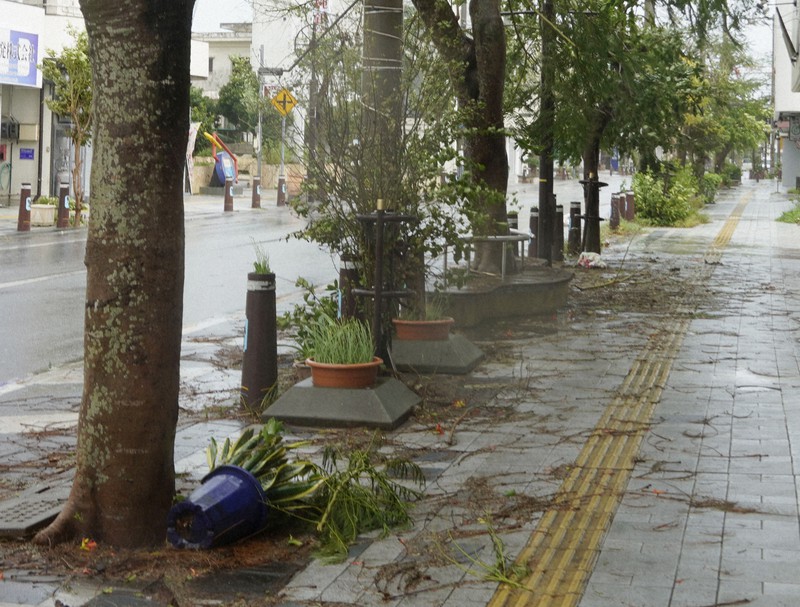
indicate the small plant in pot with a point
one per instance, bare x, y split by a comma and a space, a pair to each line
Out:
305, 317
429, 324
344, 354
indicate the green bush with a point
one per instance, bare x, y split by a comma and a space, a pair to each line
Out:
669, 200
709, 187
731, 173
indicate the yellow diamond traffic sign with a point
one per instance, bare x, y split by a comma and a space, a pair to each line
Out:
284, 101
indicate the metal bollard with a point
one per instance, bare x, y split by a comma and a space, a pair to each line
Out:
349, 273
513, 224
24, 217
574, 232
228, 195
630, 206
281, 190
63, 206
558, 237
533, 226
256, 185
613, 221
260, 362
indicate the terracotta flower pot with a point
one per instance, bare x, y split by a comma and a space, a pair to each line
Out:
422, 330
360, 375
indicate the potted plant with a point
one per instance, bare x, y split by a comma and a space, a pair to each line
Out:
343, 354
43, 211
430, 325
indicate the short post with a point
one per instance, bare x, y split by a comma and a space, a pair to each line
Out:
558, 237
630, 206
260, 362
63, 206
24, 217
349, 271
613, 220
574, 232
256, 185
228, 195
513, 224
533, 226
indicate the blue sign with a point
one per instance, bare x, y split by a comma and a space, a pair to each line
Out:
19, 54
26, 153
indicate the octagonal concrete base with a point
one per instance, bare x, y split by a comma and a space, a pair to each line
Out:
386, 405
456, 355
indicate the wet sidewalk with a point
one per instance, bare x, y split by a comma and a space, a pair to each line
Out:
638, 449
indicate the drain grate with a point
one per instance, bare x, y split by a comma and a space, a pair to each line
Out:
20, 517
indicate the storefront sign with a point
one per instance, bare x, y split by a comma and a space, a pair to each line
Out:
19, 54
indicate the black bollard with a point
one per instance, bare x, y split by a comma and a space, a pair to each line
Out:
228, 195
349, 274
574, 233
24, 217
558, 237
533, 226
630, 206
260, 362
63, 206
256, 202
613, 220
281, 202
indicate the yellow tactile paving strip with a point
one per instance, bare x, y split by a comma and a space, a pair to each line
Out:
562, 550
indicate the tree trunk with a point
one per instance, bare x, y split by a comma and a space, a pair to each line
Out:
591, 174
77, 183
478, 80
124, 482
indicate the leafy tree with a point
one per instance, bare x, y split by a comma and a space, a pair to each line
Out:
238, 98
349, 166
204, 111
124, 479
71, 75
730, 114
239, 102
476, 67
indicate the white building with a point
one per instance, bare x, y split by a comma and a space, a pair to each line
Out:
786, 90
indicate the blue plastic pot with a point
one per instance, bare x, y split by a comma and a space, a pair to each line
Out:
228, 506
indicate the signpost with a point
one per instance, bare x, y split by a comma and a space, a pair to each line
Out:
284, 102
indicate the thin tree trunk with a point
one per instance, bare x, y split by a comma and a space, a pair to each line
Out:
124, 481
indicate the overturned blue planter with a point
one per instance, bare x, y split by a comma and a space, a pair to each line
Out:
228, 506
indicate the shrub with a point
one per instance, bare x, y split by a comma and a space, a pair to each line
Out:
709, 186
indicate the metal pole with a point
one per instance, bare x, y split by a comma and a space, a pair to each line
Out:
574, 234
282, 172
533, 226
377, 332
558, 236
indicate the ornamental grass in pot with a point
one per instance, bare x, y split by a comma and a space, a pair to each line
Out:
344, 354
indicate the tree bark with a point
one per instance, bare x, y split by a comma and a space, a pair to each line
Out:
124, 481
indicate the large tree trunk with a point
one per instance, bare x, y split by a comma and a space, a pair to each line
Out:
478, 81
124, 481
